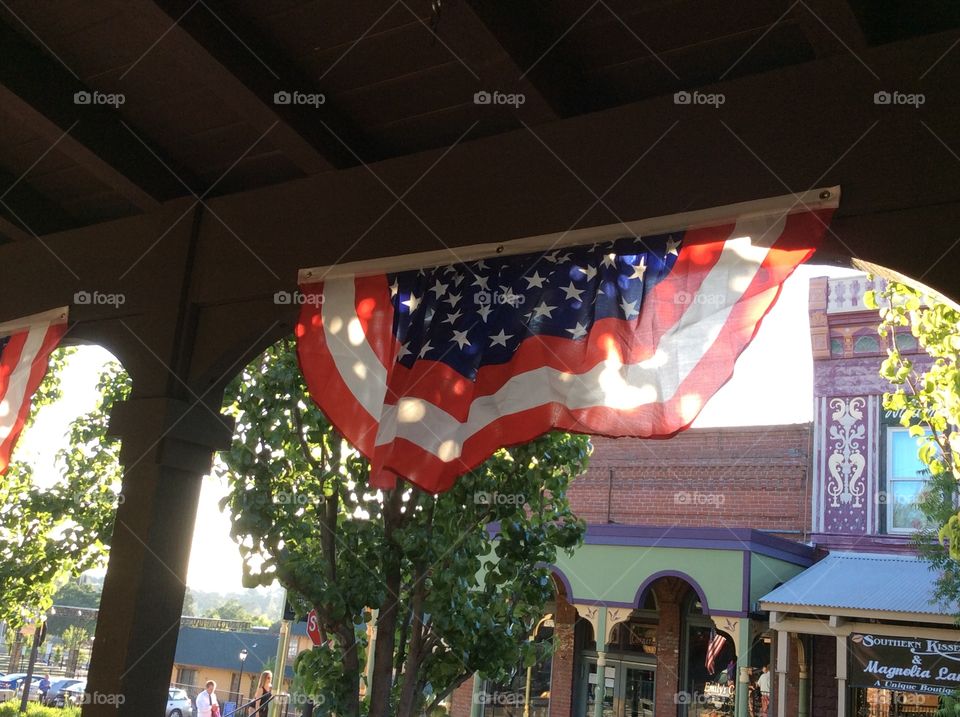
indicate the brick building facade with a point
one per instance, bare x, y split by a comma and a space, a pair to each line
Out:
688, 536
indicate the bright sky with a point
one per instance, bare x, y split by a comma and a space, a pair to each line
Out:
772, 384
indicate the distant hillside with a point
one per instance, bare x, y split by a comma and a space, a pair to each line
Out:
266, 603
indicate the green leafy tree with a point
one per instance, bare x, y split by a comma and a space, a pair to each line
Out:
450, 597
928, 395
78, 594
233, 610
74, 640
49, 533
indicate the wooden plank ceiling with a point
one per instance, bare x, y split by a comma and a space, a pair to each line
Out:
186, 96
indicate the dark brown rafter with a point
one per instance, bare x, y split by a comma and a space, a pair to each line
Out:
251, 72
25, 213
466, 34
40, 92
534, 48
830, 26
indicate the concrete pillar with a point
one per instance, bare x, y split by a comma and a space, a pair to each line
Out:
601, 682
167, 447
782, 668
842, 706
743, 663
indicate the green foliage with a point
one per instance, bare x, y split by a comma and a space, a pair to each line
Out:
11, 708
451, 598
48, 533
77, 594
930, 403
233, 610
75, 638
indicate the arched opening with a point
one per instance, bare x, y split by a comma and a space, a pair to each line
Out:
61, 492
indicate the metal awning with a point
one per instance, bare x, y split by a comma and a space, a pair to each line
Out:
862, 585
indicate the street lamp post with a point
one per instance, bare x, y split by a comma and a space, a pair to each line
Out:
243, 658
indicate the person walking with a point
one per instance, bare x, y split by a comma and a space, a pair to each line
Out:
764, 684
43, 688
207, 703
264, 693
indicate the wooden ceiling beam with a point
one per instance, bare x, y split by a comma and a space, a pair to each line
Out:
830, 26
42, 94
25, 212
465, 33
251, 72
533, 48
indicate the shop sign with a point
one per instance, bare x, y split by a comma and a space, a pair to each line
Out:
905, 664
717, 689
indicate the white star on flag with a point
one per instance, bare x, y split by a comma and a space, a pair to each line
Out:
500, 339
572, 292
543, 310
535, 281
460, 337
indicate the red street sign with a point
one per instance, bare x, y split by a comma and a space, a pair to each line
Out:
313, 628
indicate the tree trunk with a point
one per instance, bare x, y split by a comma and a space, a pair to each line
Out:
73, 660
15, 651
382, 679
351, 671
411, 673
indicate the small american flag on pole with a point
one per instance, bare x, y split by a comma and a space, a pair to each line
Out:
25, 347
717, 641
428, 372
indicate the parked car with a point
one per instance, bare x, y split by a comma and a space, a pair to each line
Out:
34, 688
179, 703
72, 695
56, 688
9, 684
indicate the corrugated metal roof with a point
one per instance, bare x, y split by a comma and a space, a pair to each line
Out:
863, 581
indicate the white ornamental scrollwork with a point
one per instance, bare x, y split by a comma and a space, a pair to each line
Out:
846, 462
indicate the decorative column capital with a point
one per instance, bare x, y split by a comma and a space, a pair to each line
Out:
170, 432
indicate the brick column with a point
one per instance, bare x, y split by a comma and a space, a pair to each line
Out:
669, 593
563, 670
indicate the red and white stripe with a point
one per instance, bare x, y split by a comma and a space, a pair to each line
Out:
647, 377
23, 365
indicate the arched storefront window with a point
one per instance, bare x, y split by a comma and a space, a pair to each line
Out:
708, 675
627, 685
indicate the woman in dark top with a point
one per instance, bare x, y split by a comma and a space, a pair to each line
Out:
264, 693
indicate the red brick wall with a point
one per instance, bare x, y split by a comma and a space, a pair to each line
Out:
823, 700
754, 477
462, 699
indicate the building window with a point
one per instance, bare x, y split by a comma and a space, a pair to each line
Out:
186, 677
906, 481
836, 347
706, 691
866, 345
906, 342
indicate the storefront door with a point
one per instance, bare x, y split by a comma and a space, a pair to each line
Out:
627, 689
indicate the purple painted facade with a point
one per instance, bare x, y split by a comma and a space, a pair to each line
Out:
848, 499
